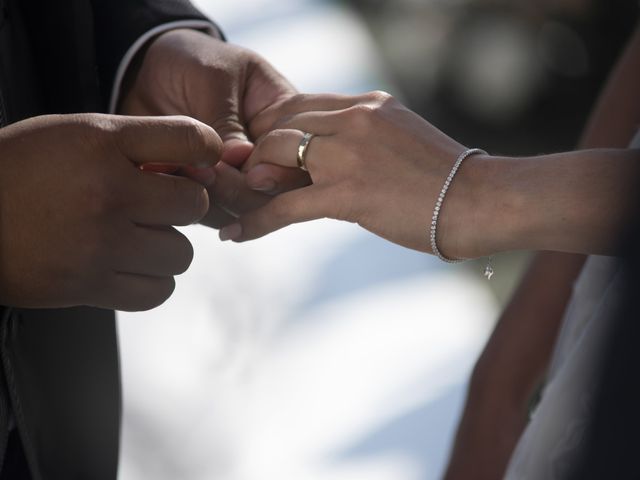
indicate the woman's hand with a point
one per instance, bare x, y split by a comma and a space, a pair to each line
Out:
376, 163
372, 162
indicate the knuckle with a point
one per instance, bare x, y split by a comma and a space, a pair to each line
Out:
94, 122
273, 139
294, 100
300, 97
195, 135
364, 110
270, 137
379, 96
361, 116
371, 110
122, 130
97, 132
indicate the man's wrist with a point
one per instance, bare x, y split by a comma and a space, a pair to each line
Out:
130, 63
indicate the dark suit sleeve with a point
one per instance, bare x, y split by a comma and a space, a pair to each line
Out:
119, 23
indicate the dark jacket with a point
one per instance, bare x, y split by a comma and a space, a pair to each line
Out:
60, 375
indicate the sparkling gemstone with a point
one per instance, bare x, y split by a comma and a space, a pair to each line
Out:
488, 272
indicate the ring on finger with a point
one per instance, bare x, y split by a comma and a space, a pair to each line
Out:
302, 150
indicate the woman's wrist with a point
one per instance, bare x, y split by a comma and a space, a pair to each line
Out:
481, 211
575, 202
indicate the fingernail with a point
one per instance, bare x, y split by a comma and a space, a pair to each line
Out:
267, 185
230, 232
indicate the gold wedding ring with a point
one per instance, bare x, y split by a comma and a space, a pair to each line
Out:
302, 150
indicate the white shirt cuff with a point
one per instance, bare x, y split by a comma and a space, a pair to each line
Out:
128, 57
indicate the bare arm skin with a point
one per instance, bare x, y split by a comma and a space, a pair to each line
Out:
518, 352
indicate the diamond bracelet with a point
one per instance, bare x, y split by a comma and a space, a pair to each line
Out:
488, 272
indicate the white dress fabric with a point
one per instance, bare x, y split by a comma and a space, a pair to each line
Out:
557, 431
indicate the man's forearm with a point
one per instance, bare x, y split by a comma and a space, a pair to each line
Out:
119, 24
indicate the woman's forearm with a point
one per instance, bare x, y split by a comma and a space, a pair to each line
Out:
570, 202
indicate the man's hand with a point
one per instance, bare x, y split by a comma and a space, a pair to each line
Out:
82, 224
225, 86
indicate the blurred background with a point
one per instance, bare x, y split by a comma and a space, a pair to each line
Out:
322, 352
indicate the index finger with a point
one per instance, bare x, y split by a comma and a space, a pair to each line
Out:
296, 104
173, 140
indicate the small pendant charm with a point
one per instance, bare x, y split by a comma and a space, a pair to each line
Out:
488, 270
